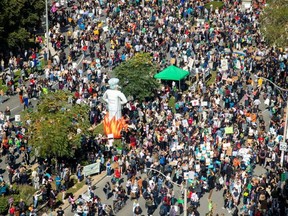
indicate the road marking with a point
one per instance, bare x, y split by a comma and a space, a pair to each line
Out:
15, 108
81, 59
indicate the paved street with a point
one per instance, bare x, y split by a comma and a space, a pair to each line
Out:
217, 198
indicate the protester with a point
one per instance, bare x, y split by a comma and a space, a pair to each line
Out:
216, 133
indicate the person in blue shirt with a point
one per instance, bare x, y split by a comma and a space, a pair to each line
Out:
58, 182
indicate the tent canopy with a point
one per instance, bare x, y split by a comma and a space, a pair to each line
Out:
172, 73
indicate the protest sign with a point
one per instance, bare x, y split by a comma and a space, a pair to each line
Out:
229, 130
195, 103
204, 103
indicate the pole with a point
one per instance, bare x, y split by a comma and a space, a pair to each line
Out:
285, 134
185, 199
185, 190
47, 29
286, 118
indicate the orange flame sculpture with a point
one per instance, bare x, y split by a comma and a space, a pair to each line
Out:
114, 126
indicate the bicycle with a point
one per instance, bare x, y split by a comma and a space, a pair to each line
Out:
118, 205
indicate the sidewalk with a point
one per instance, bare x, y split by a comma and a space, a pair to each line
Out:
95, 180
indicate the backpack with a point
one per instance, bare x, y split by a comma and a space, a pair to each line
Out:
162, 210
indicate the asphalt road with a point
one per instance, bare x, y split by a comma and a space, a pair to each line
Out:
217, 198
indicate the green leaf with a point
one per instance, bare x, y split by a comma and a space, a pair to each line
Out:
136, 76
53, 126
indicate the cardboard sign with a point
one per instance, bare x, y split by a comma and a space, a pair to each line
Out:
195, 103
229, 151
204, 103
186, 175
224, 64
229, 130
17, 118
197, 167
191, 174
226, 146
208, 161
185, 123
105, 28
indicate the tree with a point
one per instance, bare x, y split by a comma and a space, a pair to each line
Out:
136, 76
18, 18
54, 129
274, 23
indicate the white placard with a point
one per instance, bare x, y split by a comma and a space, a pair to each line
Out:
224, 64
17, 118
226, 145
186, 175
195, 103
197, 167
110, 136
222, 156
283, 146
105, 28
204, 103
185, 123
191, 175
208, 161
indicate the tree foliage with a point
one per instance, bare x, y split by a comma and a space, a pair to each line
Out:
274, 22
55, 127
17, 19
136, 76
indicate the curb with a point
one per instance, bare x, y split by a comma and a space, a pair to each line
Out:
97, 181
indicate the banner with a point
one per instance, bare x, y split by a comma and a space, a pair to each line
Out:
91, 169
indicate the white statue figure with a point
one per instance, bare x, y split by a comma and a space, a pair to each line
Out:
115, 99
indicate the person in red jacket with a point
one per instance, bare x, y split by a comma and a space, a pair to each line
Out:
117, 174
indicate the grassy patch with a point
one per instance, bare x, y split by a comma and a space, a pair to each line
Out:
215, 4
212, 78
98, 129
77, 185
118, 143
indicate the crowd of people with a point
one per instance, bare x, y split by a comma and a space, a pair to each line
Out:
214, 136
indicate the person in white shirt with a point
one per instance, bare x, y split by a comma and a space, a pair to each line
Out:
194, 199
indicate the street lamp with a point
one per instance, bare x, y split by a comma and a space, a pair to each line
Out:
286, 118
47, 29
185, 189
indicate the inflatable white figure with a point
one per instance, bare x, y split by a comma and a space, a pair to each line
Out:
115, 99
114, 122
